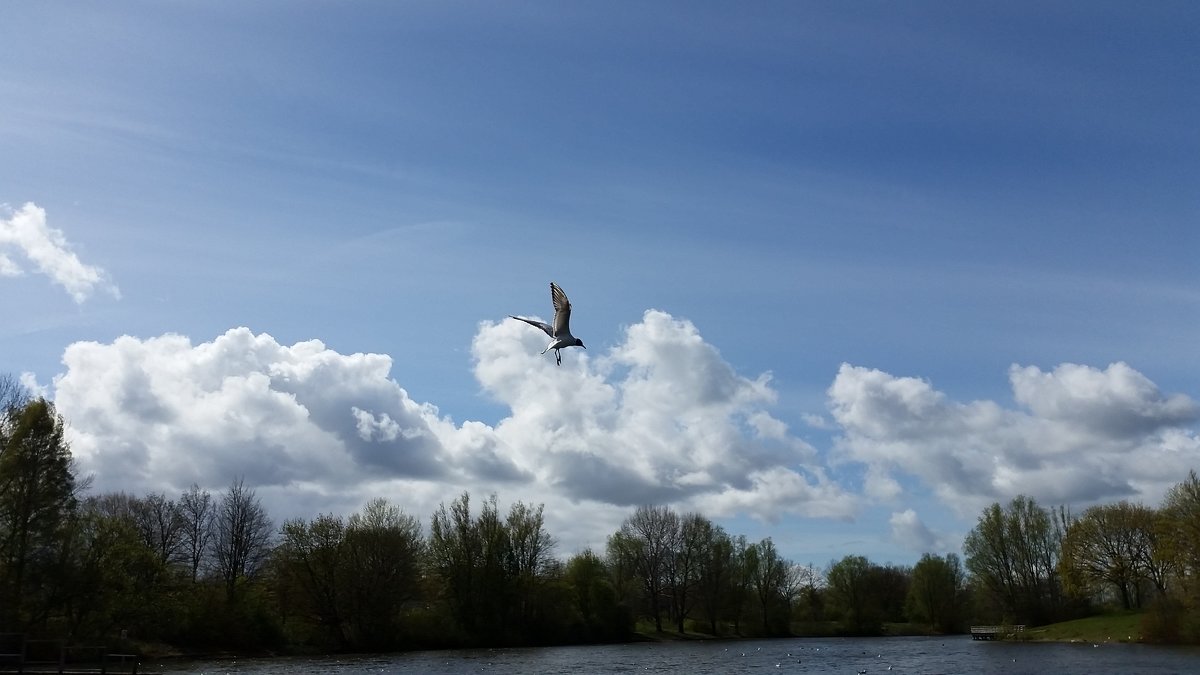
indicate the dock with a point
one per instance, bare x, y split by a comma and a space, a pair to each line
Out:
995, 632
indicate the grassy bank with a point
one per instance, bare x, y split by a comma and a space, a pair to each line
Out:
1123, 627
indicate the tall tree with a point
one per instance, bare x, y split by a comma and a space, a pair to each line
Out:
850, 589
595, 599
312, 563
684, 563
647, 540
716, 568
242, 539
13, 395
810, 605
774, 581
1110, 545
383, 548
1012, 554
472, 559
197, 511
37, 498
105, 576
741, 579
936, 593
531, 551
1179, 536
161, 526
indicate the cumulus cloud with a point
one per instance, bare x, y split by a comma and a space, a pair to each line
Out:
911, 533
659, 418
1081, 435
26, 233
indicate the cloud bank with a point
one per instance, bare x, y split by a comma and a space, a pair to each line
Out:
25, 233
1079, 435
658, 418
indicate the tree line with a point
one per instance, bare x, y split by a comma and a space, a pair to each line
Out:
1031, 564
203, 571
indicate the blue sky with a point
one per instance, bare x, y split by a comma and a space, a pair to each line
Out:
895, 210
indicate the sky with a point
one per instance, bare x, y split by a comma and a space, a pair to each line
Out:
847, 273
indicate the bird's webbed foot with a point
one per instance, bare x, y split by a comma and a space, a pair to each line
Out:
557, 358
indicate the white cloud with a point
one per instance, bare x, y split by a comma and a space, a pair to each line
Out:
1086, 435
911, 533
660, 418
47, 249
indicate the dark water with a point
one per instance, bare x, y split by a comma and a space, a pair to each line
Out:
893, 656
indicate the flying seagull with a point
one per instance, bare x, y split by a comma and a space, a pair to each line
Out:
560, 331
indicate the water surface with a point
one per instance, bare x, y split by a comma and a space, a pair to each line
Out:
893, 656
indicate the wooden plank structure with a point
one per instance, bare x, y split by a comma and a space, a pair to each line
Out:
995, 632
20, 655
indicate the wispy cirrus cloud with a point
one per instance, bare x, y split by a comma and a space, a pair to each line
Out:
26, 234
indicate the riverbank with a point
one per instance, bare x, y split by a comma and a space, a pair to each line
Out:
1106, 628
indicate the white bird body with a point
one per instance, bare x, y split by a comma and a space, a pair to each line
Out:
560, 330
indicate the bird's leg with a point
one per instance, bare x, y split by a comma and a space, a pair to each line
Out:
557, 358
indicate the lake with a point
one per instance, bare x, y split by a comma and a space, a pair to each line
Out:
894, 656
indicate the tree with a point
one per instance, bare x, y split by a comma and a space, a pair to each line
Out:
647, 541
850, 592
383, 548
474, 561
1180, 527
716, 567
1179, 548
13, 396
1012, 554
37, 499
889, 588
161, 526
811, 600
741, 579
105, 576
530, 556
774, 582
312, 561
936, 592
197, 513
1110, 545
242, 538
601, 616
683, 565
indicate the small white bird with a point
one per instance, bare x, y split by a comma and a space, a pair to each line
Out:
560, 331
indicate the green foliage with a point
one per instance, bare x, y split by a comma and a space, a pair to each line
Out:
853, 597
599, 615
204, 573
1012, 554
937, 593
1111, 548
494, 575
37, 501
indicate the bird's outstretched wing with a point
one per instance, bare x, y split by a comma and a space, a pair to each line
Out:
544, 326
562, 311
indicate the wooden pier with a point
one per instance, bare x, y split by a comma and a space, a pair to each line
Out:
20, 655
995, 632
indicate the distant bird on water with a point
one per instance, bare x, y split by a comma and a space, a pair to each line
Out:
560, 330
